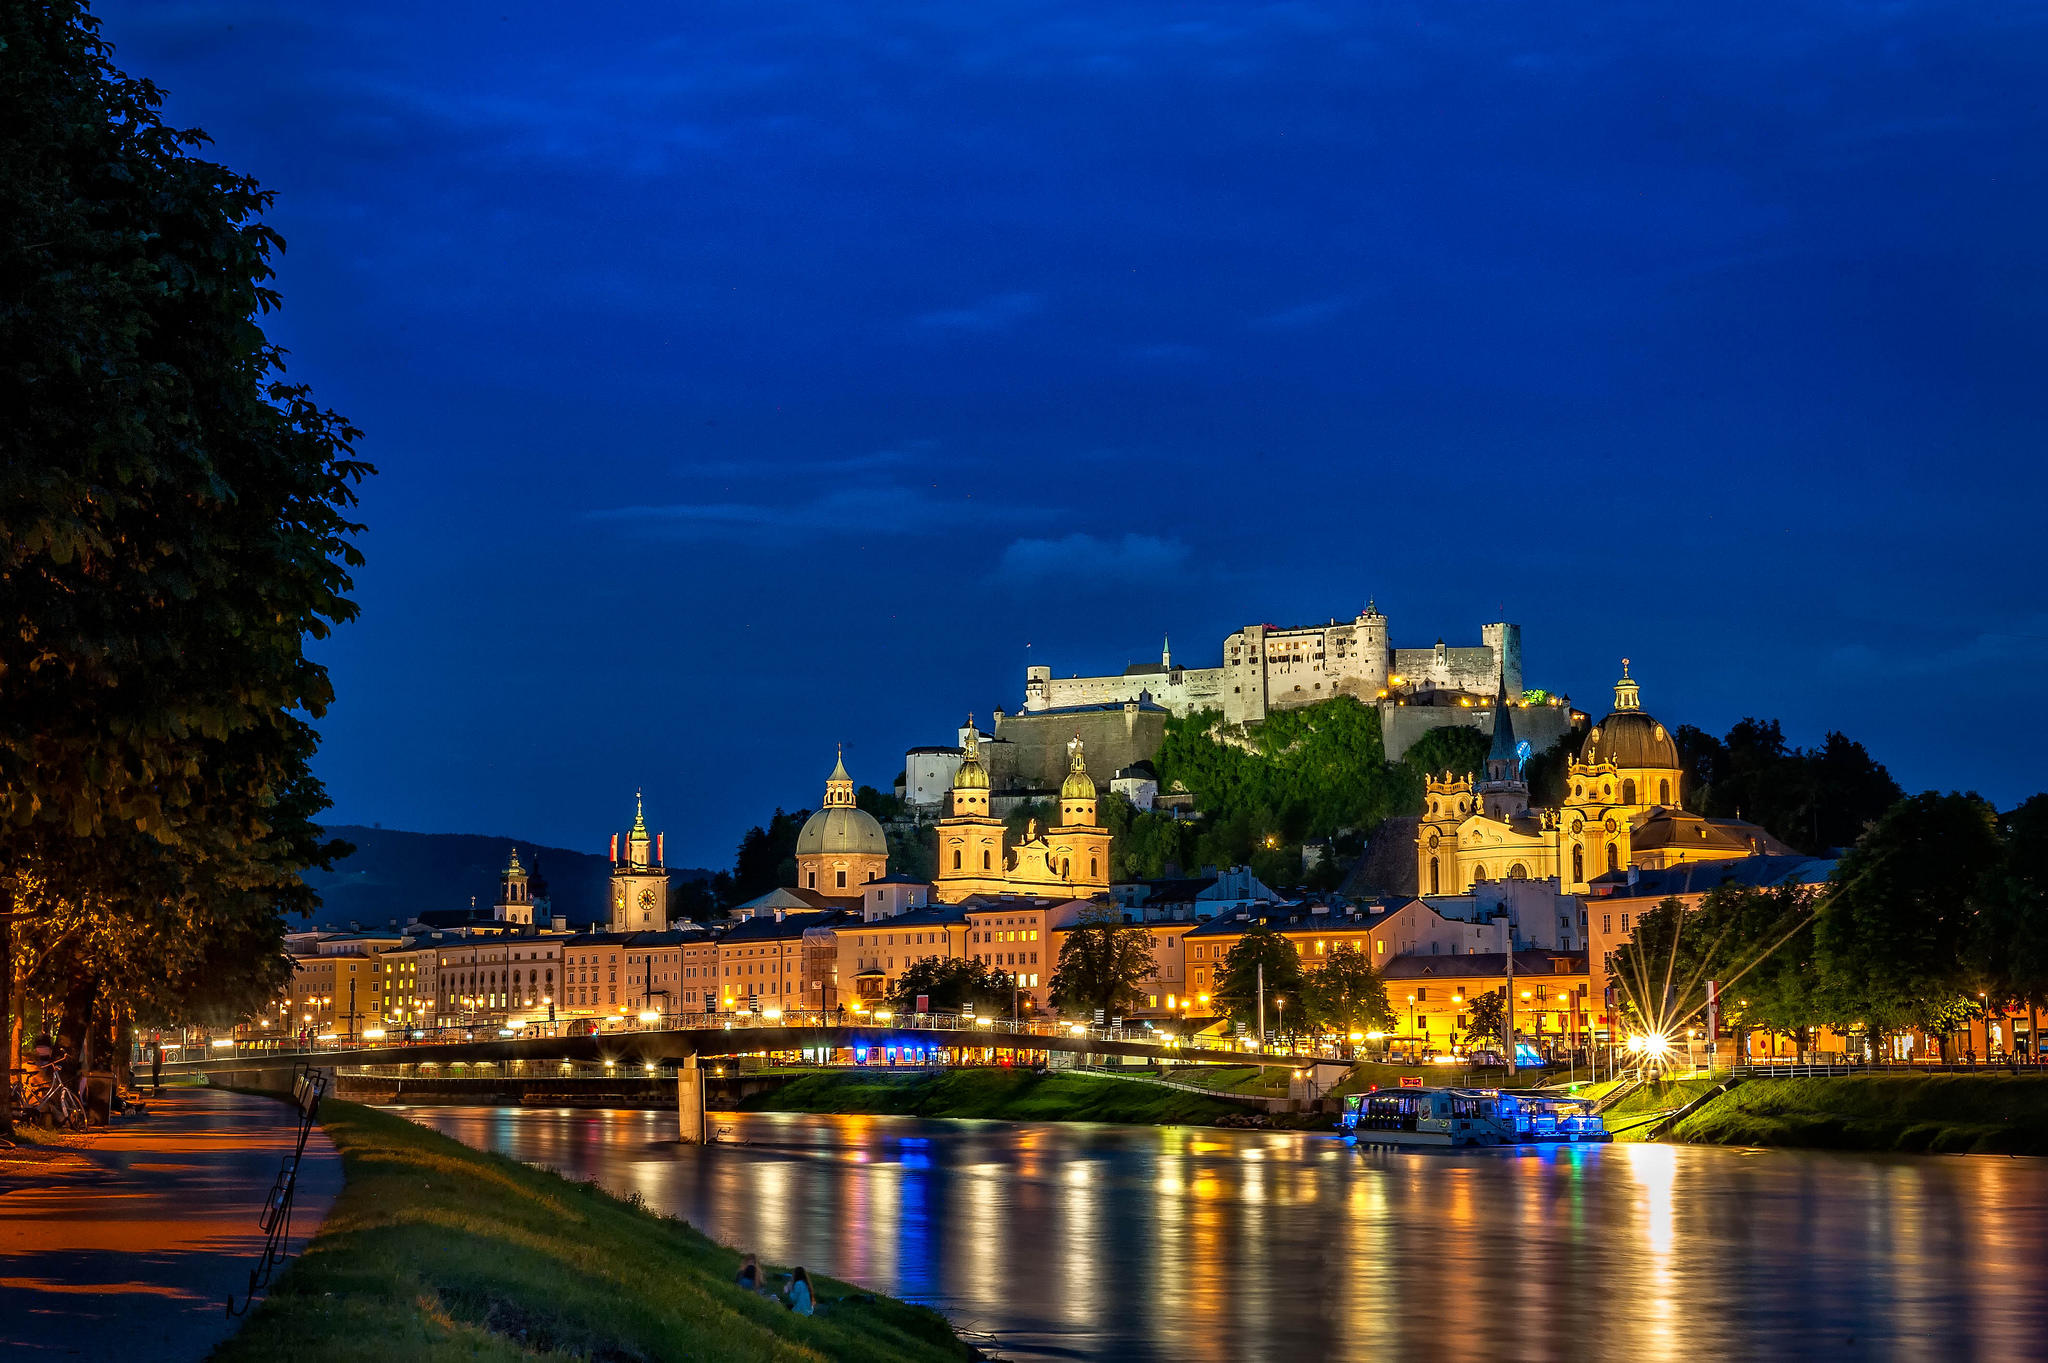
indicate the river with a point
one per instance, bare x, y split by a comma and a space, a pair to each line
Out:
1186, 1243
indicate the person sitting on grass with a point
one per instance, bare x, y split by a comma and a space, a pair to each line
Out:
750, 1274
799, 1295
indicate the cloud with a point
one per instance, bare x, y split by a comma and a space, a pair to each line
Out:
2020, 648
875, 462
999, 312
892, 510
1306, 314
1132, 556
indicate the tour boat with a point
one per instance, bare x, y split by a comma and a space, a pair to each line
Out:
1419, 1118
1544, 1118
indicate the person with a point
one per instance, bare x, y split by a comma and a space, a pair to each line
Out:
750, 1274
800, 1300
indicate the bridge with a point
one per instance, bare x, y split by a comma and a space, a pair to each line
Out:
254, 1065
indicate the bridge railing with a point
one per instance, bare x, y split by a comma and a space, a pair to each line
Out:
491, 1030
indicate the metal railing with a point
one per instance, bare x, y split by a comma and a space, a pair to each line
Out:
275, 1220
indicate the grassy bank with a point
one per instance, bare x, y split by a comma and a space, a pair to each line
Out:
1006, 1095
1936, 1113
1634, 1117
435, 1251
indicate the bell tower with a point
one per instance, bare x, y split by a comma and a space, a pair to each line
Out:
639, 880
515, 899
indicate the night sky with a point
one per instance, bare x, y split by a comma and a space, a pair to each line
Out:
750, 377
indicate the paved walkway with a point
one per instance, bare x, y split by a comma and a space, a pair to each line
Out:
125, 1243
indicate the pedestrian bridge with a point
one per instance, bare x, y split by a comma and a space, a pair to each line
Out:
242, 1062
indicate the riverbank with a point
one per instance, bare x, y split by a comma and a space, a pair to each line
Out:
998, 1094
434, 1251
1977, 1114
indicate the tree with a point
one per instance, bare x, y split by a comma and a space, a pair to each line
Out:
1892, 937
1452, 748
1347, 995
1236, 991
766, 858
1101, 964
949, 984
1487, 1029
2009, 948
173, 525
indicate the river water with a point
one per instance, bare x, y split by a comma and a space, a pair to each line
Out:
1070, 1240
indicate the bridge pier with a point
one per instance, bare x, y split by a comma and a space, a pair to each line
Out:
690, 1102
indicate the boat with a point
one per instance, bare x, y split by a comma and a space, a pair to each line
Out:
1424, 1118
1552, 1119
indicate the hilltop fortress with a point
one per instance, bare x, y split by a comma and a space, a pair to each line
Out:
1121, 719
1268, 668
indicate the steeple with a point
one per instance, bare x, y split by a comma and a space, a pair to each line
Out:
1625, 695
1166, 651
1503, 795
839, 786
638, 840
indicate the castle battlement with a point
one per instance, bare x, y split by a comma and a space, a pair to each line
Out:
1266, 668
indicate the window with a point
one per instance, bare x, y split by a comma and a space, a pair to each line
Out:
984, 859
956, 859
1606, 923
1613, 858
1435, 877
813, 881
842, 880
1663, 792
1624, 922
1578, 864
1628, 792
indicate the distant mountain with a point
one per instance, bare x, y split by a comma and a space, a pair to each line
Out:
394, 875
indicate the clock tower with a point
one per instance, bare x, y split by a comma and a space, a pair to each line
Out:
639, 881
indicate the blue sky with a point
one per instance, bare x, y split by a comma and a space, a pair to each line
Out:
746, 378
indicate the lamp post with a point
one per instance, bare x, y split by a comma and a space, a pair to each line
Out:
1411, 1026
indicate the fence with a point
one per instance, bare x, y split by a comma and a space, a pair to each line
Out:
308, 1086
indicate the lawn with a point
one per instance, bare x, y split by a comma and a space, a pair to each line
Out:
1934, 1113
1005, 1094
435, 1251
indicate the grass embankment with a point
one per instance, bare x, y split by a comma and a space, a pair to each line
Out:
1005, 1095
435, 1251
1254, 1081
1634, 1117
1934, 1114
1366, 1074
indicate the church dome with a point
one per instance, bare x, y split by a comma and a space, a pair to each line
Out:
840, 830
1628, 737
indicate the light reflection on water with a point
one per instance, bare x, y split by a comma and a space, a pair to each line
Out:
1144, 1243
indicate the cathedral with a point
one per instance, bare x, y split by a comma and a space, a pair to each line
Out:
1621, 810
1069, 858
841, 847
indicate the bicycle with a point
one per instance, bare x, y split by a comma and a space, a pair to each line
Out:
58, 1108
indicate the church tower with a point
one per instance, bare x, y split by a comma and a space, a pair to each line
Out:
1080, 845
971, 859
515, 899
1503, 794
639, 881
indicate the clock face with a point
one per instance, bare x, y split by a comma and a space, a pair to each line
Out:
647, 899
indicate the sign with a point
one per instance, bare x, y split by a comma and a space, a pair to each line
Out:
1411, 1081
924, 1003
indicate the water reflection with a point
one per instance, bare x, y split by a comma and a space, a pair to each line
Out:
1186, 1243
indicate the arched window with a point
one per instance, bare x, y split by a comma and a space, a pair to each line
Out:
1518, 872
1478, 874
1628, 791
1663, 792
956, 858
1066, 868
1092, 872
985, 864
1613, 857
811, 881
1578, 865
1435, 877
1432, 807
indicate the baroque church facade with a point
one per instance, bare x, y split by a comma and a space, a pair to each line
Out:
1621, 811
1069, 858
